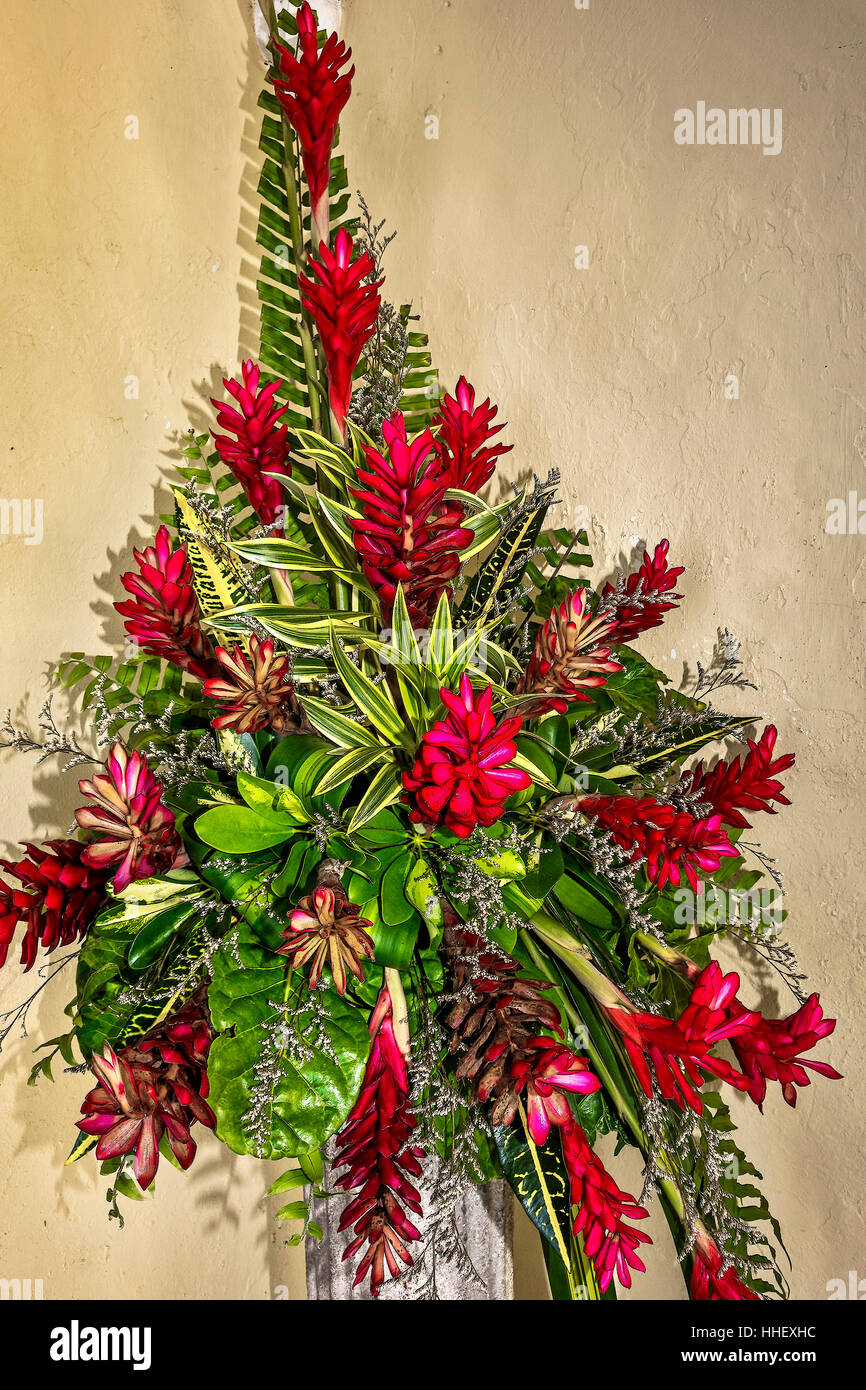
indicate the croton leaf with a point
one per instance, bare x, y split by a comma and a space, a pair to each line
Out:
539, 1180
129, 936
305, 1087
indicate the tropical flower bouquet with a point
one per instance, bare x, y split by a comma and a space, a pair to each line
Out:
393, 839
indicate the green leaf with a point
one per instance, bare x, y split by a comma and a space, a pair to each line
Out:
422, 891
344, 768
314, 1089
344, 732
151, 939
372, 700
546, 1195
293, 1211
240, 830
385, 788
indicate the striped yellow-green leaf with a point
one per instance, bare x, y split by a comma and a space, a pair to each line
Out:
345, 732
372, 700
385, 788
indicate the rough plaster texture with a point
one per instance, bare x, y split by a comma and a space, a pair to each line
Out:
555, 130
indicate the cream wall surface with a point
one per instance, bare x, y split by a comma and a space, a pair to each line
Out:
498, 139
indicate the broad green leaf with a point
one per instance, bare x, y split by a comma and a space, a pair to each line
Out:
258, 1009
240, 830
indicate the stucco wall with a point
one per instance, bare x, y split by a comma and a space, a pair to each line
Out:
122, 258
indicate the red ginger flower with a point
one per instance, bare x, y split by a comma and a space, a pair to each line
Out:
345, 310
155, 1086
260, 445
137, 832
750, 783
326, 927
58, 897
640, 607
374, 1144
708, 1282
670, 841
679, 1051
255, 691
603, 1211
408, 534
312, 91
769, 1048
461, 773
463, 430
163, 613
551, 1072
567, 658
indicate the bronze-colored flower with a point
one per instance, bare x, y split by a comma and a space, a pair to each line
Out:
568, 656
256, 693
326, 928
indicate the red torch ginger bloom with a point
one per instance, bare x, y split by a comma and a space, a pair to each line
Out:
679, 1051
137, 832
603, 1210
163, 613
374, 1144
769, 1048
708, 1282
345, 309
256, 691
326, 927
153, 1087
463, 430
408, 534
462, 773
56, 894
550, 1073
671, 842
260, 445
641, 606
568, 658
312, 91
747, 784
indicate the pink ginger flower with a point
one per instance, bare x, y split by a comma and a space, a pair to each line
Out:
679, 1051
163, 614
603, 1211
462, 773
260, 446
671, 842
408, 533
135, 830
770, 1049
747, 784
550, 1075
464, 430
375, 1145
646, 597
312, 90
56, 894
345, 305
709, 1282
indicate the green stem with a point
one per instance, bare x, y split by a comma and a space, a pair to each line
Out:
290, 180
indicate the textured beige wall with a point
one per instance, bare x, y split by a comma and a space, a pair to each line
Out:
555, 130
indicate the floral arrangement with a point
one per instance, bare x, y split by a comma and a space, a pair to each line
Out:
394, 841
